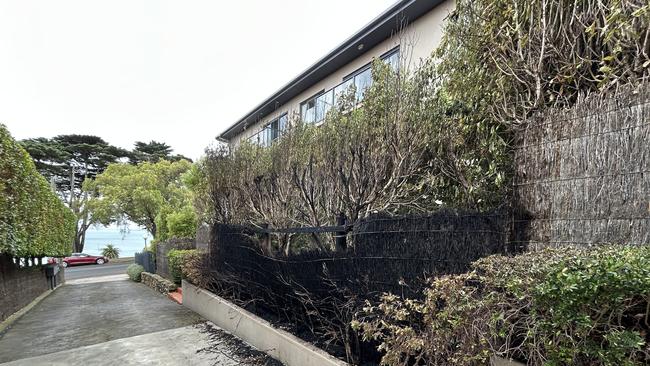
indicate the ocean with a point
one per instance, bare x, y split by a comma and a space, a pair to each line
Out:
129, 242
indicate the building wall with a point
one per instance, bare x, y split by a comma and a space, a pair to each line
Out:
418, 40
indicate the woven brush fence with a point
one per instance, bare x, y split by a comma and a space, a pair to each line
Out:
316, 293
583, 174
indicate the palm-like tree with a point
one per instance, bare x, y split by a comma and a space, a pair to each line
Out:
110, 251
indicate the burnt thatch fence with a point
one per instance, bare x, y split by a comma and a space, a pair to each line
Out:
316, 293
582, 177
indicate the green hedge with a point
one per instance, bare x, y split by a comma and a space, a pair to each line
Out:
33, 220
176, 258
135, 272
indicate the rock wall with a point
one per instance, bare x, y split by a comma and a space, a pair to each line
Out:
158, 283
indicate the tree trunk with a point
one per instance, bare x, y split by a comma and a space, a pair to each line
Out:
78, 243
80, 239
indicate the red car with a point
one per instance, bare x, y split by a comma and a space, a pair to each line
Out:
82, 258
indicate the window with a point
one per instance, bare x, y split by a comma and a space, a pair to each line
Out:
314, 109
324, 103
392, 59
362, 81
308, 111
271, 131
341, 89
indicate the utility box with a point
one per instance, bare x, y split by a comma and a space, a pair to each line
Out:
51, 272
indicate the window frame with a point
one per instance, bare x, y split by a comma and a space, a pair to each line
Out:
260, 138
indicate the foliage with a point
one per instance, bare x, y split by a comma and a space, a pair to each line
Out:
153, 152
56, 157
33, 220
140, 193
68, 161
501, 60
110, 251
182, 223
176, 259
193, 268
135, 272
554, 307
397, 152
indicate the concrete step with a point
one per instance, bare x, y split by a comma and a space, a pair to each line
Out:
176, 296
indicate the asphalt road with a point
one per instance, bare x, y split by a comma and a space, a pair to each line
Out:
95, 270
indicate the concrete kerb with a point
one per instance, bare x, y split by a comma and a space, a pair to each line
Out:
7, 323
279, 344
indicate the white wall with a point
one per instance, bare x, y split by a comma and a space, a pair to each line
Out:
418, 40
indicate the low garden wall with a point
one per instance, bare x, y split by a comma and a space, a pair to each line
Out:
281, 345
158, 283
19, 286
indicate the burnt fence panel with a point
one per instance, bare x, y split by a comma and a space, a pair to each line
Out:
314, 292
384, 253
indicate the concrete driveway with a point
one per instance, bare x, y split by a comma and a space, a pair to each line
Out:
113, 321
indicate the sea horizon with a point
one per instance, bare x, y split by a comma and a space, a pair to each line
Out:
128, 241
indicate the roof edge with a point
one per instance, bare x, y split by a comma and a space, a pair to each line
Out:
351, 41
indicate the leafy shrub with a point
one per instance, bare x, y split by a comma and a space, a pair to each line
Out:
554, 307
193, 268
502, 60
176, 258
110, 251
182, 223
135, 272
33, 220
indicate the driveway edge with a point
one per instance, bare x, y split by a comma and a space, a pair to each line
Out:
7, 323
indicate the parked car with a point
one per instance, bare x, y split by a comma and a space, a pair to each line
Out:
81, 258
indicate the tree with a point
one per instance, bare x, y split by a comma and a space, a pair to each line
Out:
67, 162
153, 152
110, 251
139, 193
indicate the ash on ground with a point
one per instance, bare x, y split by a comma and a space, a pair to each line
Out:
232, 347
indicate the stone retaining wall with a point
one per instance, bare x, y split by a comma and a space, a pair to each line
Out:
158, 283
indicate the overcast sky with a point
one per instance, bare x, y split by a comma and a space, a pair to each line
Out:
172, 71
